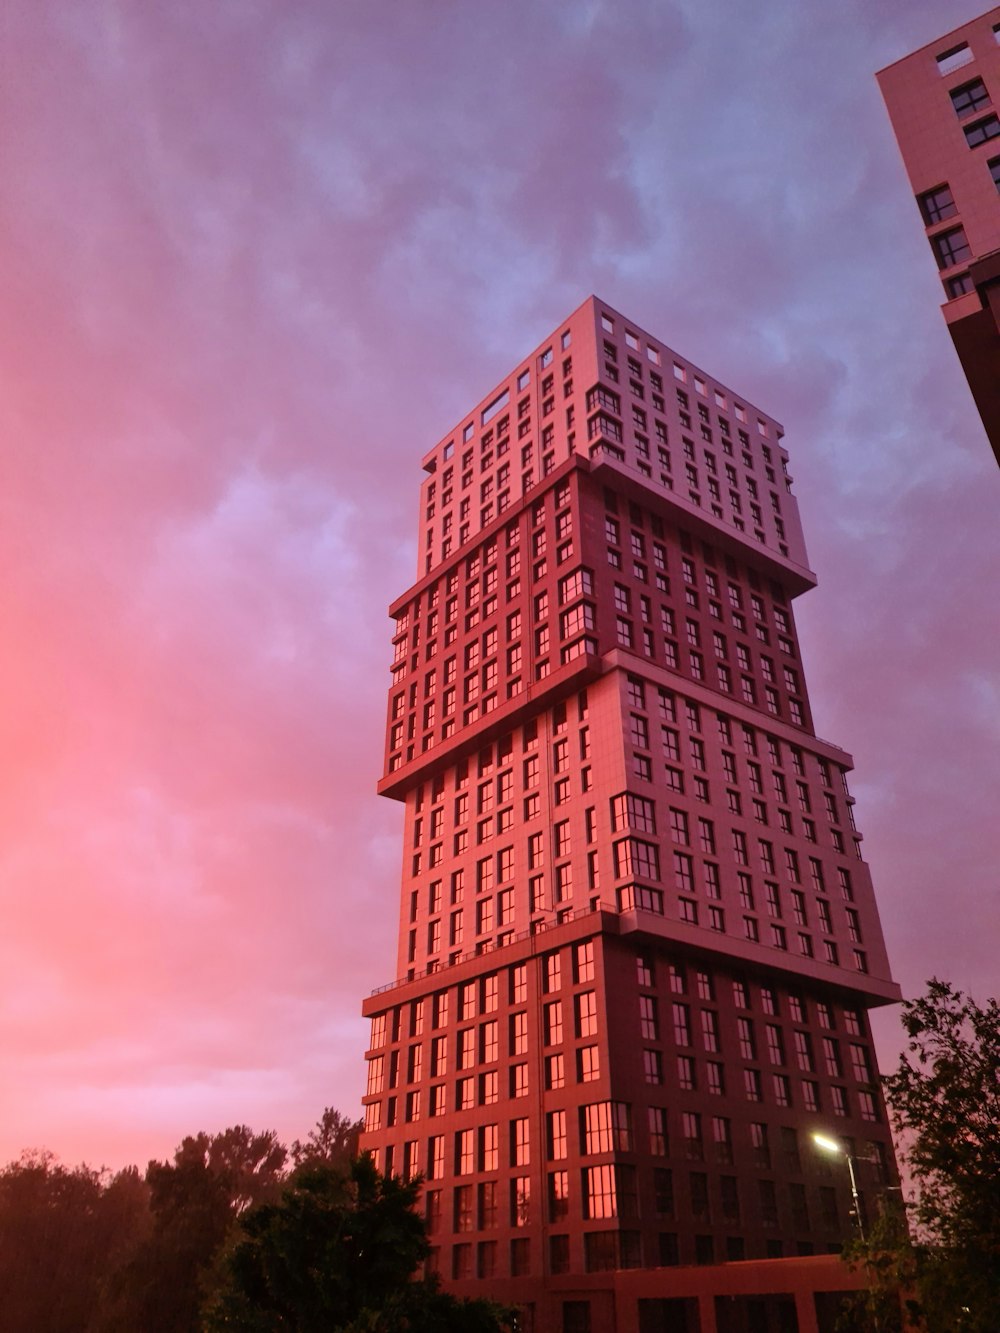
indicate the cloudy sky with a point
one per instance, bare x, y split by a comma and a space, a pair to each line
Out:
257, 258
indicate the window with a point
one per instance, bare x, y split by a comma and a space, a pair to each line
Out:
860, 1066
960, 285
982, 131
585, 1006
600, 1197
748, 1045
588, 1064
606, 1127
954, 58
710, 1029
658, 1141
682, 1024
519, 1143
691, 1129
969, 97
558, 1195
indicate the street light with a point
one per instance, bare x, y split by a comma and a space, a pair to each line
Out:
838, 1150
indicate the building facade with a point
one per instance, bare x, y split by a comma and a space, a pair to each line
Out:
944, 104
637, 938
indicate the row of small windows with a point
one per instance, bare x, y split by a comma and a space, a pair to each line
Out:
603, 1128
482, 996
606, 433
753, 741
951, 246
680, 371
495, 495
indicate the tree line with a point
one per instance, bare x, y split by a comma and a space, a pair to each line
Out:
236, 1232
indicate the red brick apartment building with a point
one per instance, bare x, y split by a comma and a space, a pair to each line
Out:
944, 104
637, 938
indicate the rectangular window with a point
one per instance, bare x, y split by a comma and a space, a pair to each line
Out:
969, 98
520, 1154
599, 1192
982, 131
586, 1014
747, 1042
519, 1033
954, 58
652, 1066
556, 1135
489, 1148
588, 1064
553, 1023
658, 1141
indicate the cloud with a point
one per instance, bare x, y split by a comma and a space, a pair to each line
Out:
260, 258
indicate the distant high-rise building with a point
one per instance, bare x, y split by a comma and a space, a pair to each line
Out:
944, 104
637, 939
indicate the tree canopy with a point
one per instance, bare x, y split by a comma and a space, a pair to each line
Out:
944, 1099
339, 1252
232, 1233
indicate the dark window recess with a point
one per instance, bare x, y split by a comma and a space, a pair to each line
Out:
937, 205
994, 166
954, 58
950, 247
982, 131
971, 97
958, 286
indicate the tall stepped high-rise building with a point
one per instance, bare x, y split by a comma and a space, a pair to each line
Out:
637, 938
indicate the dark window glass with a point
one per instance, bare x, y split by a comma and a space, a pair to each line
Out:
982, 131
951, 247
994, 166
958, 286
969, 98
936, 205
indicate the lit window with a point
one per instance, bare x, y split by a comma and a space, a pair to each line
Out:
588, 1062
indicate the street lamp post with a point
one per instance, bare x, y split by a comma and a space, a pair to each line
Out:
838, 1150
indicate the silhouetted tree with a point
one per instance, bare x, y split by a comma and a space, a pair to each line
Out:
193, 1202
333, 1140
62, 1233
945, 1103
339, 1253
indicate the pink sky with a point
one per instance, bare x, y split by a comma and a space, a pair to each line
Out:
257, 258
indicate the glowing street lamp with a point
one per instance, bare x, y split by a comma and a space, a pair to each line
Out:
837, 1149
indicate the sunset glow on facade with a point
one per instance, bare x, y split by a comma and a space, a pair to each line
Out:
637, 938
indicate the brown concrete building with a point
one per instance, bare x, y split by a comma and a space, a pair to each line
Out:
943, 101
637, 938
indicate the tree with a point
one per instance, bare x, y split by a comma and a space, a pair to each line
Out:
338, 1252
945, 1103
194, 1202
333, 1140
62, 1235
